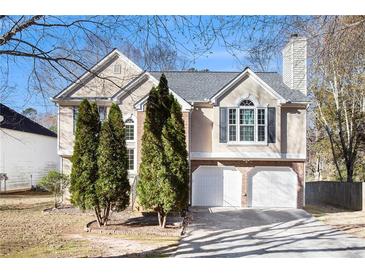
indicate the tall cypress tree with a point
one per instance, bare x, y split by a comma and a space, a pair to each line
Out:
164, 101
84, 159
176, 155
112, 186
154, 191
151, 155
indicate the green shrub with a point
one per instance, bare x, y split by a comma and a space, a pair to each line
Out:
55, 183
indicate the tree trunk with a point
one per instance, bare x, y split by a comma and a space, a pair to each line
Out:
55, 200
159, 217
164, 221
333, 153
98, 217
106, 215
350, 173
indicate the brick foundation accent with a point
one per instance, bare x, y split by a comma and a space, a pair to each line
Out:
246, 166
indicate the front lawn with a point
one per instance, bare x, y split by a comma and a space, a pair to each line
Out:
352, 222
26, 231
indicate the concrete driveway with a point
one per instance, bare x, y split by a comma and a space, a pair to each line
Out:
222, 232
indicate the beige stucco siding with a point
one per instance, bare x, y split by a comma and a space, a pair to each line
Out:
201, 129
248, 88
109, 82
227, 147
290, 124
290, 133
127, 102
293, 130
65, 136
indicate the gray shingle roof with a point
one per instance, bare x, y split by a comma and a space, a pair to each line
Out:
198, 86
16, 121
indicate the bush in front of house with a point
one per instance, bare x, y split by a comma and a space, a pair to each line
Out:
56, 183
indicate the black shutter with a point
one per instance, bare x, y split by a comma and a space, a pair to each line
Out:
223, 125
271, 120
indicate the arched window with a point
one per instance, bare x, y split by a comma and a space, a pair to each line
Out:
247, 103
247, 123
129, 129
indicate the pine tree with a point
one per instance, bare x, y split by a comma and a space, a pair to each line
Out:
84, 159
176, 155
112, 186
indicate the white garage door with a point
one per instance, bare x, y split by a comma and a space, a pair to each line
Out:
272, 187
216, 186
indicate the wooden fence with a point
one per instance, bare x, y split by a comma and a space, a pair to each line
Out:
346, 195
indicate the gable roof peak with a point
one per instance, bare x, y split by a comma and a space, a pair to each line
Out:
93, 70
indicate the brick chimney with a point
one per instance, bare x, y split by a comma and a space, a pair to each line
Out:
295, 63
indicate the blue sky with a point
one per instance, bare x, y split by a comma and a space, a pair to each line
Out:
218, 59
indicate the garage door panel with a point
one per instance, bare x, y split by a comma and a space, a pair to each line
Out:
207, 187
232, 188
273, 187
216, 186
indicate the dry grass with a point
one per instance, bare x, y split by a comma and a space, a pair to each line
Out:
352, 222
26, 231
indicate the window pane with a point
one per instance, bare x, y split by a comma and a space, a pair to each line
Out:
130, 159
261, 133
117, 68
247, 103
232, 117
261, 116
129, 132
232, 133
247, 116
247, 133
102, 113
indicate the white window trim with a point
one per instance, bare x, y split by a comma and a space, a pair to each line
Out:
238, 125
132, 144
134, 130
132, 171
229, 125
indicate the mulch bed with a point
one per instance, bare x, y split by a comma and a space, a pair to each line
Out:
127, 222
136, 223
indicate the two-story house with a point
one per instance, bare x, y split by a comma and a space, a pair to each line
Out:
245, 131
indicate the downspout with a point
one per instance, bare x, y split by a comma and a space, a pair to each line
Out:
190, 171
58, 137
58, 128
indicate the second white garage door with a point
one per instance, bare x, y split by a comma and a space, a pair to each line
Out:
272, 187
216, 186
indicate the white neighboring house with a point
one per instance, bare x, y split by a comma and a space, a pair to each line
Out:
27, 150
